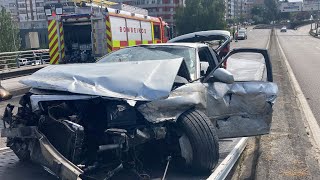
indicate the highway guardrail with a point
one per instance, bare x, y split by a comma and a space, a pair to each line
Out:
20, 63
17, 59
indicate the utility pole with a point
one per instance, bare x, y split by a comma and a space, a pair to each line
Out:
317, 19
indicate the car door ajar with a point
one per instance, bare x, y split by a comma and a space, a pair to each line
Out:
243, 108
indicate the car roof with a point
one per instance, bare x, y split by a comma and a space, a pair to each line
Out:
202, 36
191, 45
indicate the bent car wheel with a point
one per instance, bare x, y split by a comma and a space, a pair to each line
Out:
199, 142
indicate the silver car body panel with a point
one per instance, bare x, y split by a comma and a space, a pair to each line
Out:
140, 80
240, 109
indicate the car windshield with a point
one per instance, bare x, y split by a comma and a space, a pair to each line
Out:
242, 31
154, 52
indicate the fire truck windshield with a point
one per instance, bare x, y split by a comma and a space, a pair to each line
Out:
153, 52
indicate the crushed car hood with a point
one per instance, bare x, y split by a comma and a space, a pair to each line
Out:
139, 80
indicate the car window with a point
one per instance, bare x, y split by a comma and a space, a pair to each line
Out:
207, 62
154, 52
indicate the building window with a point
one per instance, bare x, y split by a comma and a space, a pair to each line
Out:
171, 9
39, 4
12, 5
41, 16
23, 11
160, 9
22, 5
40, 10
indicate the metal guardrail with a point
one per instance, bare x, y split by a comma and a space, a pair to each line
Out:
17, 59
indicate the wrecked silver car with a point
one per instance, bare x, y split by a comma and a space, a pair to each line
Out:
89, 121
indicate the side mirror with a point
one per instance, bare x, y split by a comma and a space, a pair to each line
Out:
4, 94
222, 75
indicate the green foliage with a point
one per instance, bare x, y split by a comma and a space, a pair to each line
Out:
9, 33
200, 15
271, 10
265, 13
257, 11
259, 14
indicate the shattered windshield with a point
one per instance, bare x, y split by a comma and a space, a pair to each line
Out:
143, 53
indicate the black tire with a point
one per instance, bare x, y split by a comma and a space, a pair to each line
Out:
203, 139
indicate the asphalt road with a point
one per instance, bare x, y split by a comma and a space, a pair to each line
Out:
257, 38
303, 52
286, 153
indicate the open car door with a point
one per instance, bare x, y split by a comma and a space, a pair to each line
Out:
243, 106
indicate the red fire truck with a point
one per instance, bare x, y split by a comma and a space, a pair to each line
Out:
94, 31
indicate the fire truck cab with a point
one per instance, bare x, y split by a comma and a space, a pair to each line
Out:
94, 31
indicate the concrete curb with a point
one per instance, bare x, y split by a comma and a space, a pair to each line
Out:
302, 101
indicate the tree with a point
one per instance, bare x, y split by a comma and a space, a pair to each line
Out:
9, 33
257, 10
198, 15
272, 11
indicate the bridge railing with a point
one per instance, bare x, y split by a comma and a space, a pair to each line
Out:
17, 59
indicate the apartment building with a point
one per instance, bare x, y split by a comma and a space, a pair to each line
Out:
248, 5
234, 9
11, 7
30, 16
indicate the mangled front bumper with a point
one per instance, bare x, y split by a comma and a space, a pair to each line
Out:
42, 151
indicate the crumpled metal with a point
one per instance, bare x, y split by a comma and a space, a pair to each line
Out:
139, 80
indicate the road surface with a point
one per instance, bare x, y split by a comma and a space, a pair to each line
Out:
303, 54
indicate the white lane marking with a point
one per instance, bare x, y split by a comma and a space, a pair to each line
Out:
302, 101
222, 171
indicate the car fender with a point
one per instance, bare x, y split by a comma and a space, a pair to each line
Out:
186, 97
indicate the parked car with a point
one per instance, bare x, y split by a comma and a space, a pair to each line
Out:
36, 62
242, 34
23, 61
85, 120
283, 29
